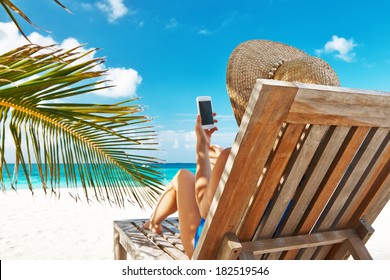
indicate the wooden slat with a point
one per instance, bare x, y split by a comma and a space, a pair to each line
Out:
348, 186
371, 186
354, 192
162, 243
381, 198
296, 242
319, 254
174, 225
271, 256
354, 247
359, 170
308, 253
312, 179
143, 244
305, 221
340, 106
135, 243
169, 225
269, 223
326, 155
342, 251
336, 172
265, 114
171, 234
247, 256
288, 143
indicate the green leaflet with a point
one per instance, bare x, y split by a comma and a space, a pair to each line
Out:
101, 143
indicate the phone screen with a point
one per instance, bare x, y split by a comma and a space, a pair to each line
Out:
206, 112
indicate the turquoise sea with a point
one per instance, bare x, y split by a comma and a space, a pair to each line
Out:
168, 169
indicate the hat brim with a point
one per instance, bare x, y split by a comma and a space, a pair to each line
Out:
262, 59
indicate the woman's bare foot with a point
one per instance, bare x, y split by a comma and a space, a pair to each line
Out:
153, 228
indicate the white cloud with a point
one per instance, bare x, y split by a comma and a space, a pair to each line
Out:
114, 9
126, 80
341, 46
173, 139
180, 146
9, 37
41, 40
177, 146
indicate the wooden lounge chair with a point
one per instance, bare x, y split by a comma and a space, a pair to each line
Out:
307, 176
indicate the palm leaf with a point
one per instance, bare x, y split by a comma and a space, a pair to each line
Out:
97, 144
11, 8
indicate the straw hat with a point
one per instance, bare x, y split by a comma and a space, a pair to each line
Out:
271, 60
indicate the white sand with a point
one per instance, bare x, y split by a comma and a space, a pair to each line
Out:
44, 228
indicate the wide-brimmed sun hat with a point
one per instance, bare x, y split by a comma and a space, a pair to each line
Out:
271, 60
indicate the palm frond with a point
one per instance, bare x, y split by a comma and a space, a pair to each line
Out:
97, 144
11, 8
62, 5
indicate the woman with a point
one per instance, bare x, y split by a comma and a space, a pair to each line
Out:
191, 195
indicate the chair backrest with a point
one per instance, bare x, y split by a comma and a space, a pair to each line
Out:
307, 159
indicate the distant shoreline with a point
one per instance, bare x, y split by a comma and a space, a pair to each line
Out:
168, 169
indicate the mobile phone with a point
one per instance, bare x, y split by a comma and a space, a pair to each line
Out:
205, 109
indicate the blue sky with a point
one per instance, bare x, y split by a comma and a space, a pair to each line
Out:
169, 52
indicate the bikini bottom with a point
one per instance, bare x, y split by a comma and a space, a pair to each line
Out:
198, 232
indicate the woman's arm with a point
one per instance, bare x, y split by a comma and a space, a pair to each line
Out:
206, 179
205, 194
203, 168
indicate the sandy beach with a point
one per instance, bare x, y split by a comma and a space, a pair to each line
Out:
45, 228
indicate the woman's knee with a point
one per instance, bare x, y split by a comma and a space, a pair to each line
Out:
184, 178
185, 174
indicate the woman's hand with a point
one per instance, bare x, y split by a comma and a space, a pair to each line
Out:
203, 136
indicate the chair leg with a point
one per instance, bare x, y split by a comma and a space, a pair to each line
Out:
119, 252
230, 248
357, 249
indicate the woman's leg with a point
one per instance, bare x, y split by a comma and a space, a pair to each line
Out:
189, 215
166, 206
179, 195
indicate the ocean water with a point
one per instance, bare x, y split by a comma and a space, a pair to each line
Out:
170, 169
167, 169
